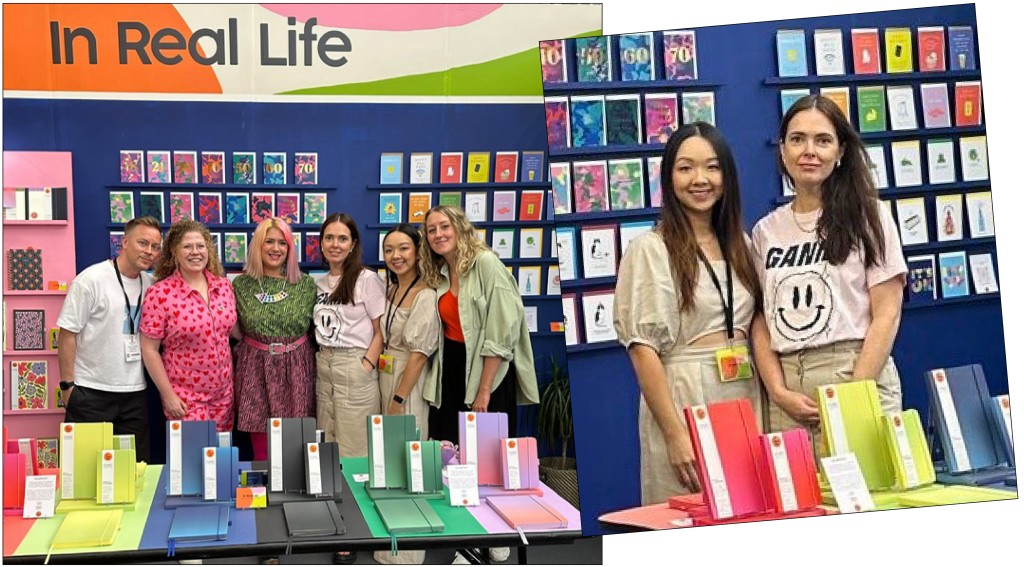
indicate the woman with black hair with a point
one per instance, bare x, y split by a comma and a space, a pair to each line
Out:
832, 271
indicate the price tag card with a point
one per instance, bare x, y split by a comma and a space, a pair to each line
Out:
106, 495
360, 477
40, 493
209, 473
379, 471
783, 474
462, 485
313, 468
67, 460
835, 421
512, 458
847, 483
470, 448
906, 461
276, 456
713, 462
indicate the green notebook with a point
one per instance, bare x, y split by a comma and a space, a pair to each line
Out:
80, 446
88, 529
429, 455
908, 449
955, 495
851, 423
115, 476
409, 515
387, 436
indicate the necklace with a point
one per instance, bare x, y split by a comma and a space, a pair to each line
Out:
264, 297
814, 227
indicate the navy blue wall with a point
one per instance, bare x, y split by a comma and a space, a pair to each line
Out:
348, 137
740, 58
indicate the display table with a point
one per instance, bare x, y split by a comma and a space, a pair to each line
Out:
143, 534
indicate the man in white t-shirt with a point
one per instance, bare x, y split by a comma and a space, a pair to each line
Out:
99, 357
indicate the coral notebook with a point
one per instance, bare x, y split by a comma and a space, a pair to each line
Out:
480, 436
791, 478
908, 449
26, 446
654, 517
519, 466
851, 422
525, 512
14, 483
729, 456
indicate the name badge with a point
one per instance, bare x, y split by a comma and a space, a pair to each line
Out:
386, 363
132, 352
734, 364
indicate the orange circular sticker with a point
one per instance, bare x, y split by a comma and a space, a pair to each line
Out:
108, 456
376, 421
38, 514
415, 446
175, 426
939, 376
1005, 402
776, 441
511, 444
312, 448
856, 507
209, 452
897, 421
830, 393
69, 428
277, 423
700, 413
465, 502
471, 417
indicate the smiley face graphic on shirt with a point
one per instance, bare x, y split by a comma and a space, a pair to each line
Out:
803, 306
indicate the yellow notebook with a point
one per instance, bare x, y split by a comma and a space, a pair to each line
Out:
851, 423
908, 449
87, 529
80, 446
115, 476
955, 495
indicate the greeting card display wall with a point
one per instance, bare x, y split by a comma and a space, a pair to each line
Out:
606, 133
743, 62
503, 194
38, 266
228, 201
914, 93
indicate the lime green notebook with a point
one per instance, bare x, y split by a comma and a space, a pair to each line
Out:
115, 476
955, 495
908, 449
80, 446
851, 422
87, 529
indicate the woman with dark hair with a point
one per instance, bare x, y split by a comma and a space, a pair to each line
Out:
688, 291
832, 271
190, 312
350, 302
274, 370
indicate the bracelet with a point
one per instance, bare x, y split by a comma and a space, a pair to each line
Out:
398, 399
370, 361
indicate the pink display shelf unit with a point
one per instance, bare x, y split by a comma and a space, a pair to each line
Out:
56, 240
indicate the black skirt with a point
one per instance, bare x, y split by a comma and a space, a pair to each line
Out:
444, 421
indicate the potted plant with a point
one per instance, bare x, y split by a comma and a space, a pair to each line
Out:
554, 424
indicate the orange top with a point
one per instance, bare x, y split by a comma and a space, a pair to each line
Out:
448, 307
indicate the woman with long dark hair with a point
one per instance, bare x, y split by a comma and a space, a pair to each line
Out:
686, 291
350, 302
832, 271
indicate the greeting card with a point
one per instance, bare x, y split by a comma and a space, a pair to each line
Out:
132, 168
213, 167
305, 172
314, 208
185, 167
244, 168
158, 166
274, 168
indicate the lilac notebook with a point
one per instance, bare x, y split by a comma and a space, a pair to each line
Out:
480, 436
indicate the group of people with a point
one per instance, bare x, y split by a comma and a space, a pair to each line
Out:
444, 332
815, 292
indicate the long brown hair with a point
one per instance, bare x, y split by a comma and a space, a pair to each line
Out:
166, 265
467, 246
726, 218
351, 266
849, 200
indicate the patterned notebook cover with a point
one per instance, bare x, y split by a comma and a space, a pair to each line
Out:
24, 269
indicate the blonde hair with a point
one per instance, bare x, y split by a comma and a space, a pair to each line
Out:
254, 260
467, 245
166, 266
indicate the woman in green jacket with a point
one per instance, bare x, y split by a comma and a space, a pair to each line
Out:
484, 360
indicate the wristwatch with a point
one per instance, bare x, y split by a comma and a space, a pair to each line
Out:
398, 399
64, 386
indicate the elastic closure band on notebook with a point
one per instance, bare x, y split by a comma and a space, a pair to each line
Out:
394, 544
170, 547
522, 535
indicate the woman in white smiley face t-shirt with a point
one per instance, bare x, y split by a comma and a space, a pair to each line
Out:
832, 271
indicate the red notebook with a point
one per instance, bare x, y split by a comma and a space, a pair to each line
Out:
14, 482
729, 458
654, 517
790, 476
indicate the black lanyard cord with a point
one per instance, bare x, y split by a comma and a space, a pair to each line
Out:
127, 304
389, 318
727, 307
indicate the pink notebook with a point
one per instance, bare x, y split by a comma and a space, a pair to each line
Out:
726, 443
653, 517
797, 454
483, 448
527, 512
524, 449
14, 483
26, 447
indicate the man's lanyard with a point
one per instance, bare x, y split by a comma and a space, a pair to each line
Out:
127, 305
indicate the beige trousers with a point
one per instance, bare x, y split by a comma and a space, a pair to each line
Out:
345, 394
692, 380
805, 370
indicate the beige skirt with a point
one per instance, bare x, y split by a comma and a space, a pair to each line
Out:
692, 375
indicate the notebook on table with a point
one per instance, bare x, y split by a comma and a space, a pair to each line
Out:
198, 523
851, 423
908, 451
480, 436
387, 436
87, 529
525, 512
408, 515
790, 474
